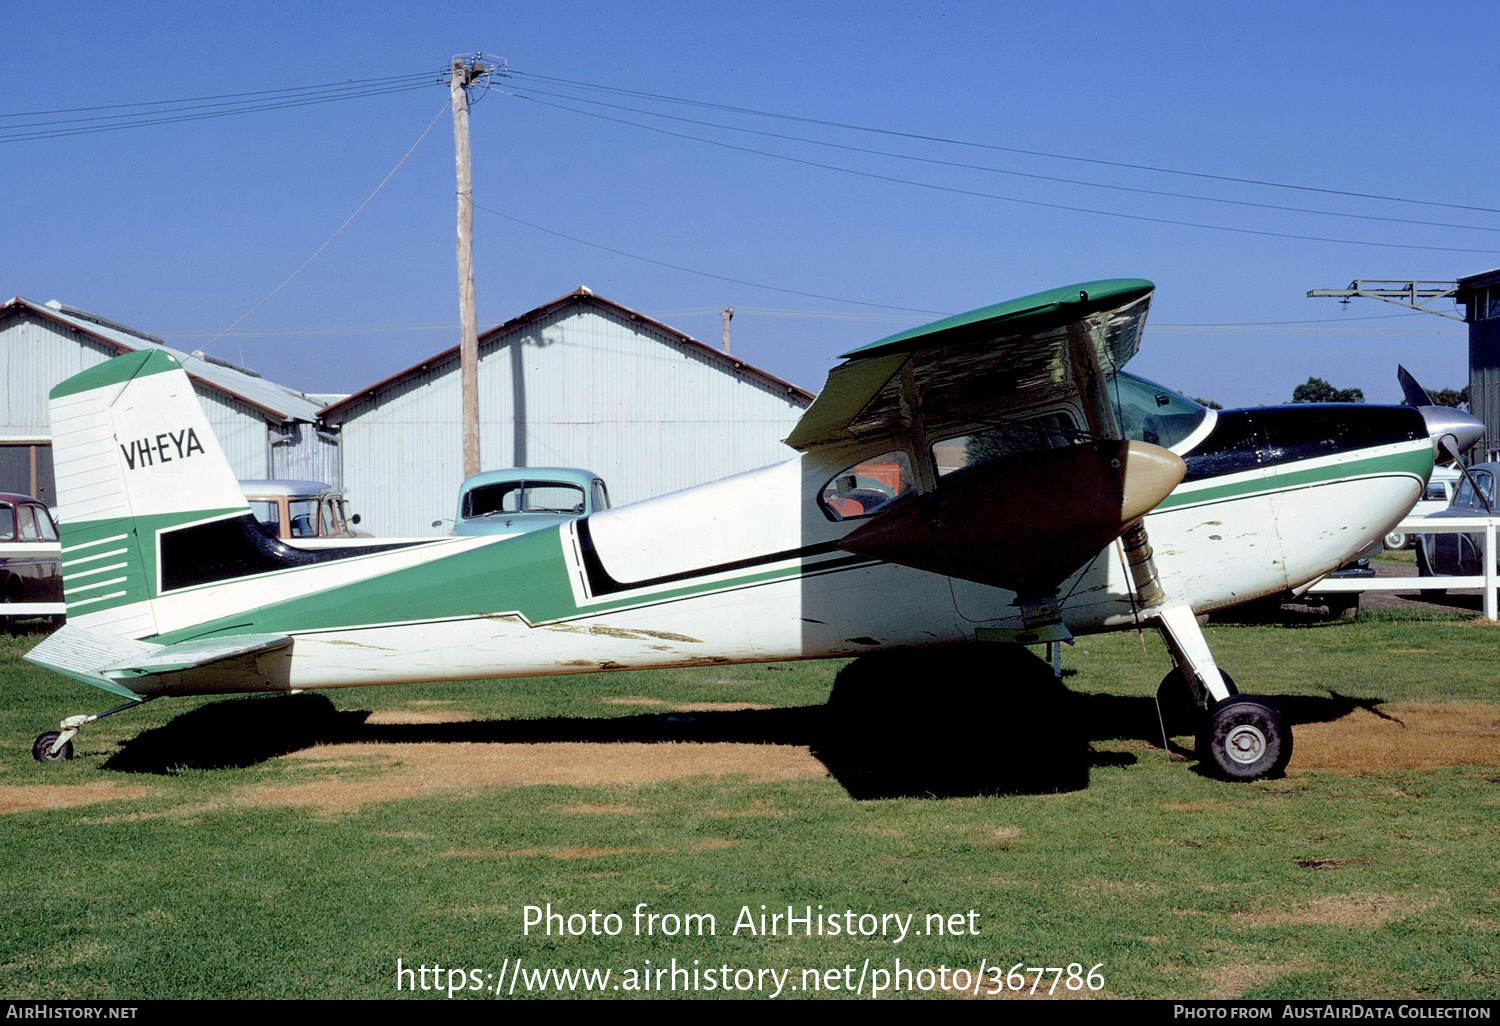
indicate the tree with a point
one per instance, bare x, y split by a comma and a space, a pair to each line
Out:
1316, 390
1450, 397
1208, 402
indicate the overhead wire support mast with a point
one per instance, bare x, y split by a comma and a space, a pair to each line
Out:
464, 73
1414, 294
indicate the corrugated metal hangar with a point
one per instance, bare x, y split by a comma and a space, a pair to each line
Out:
580, 381
267, 430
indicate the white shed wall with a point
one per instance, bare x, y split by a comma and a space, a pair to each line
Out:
583, 387
36, 355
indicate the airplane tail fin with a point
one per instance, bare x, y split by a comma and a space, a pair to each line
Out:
134, 457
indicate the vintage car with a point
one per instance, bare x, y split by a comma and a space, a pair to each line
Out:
523, 499
27, 578
1460, 554
1435, 499
300, 509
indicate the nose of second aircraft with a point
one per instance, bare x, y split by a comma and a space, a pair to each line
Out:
1444, 421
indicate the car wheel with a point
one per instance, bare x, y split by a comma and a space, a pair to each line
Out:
1397, 540
1424, 570
1343, 607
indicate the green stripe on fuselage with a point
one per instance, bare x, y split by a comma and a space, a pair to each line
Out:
1415, 463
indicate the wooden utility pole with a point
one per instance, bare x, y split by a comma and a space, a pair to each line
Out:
728, 315
464, 73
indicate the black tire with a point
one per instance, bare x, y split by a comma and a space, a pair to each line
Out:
1245, 738
1424, 570
1180, 711
41, 748
1343, 607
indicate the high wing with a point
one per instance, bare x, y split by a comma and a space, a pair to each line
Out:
1026, 521
974, 368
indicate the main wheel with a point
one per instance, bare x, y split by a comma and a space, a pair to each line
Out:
41, 748
1245, 738
1180, 711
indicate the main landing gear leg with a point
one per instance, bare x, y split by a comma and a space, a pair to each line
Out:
1240, 737
57, 745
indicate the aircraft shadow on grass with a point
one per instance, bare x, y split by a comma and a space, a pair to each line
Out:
1033, 744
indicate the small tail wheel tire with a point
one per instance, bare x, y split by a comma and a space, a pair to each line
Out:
1245, 738
1180, 711
41, 748
1397, 540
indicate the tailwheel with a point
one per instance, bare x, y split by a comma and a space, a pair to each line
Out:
42, 748
1245, 738
1182, 710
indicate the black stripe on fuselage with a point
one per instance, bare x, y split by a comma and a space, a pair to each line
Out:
1269, 436
601, 583
222, 550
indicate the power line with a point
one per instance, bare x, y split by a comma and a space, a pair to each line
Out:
151, 118
996, 147
1007, 171
704, 274
441, 111
996, 196
221, 96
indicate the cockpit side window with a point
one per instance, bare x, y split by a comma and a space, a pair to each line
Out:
867, 487
1151, 413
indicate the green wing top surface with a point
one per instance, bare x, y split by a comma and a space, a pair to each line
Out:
968, 369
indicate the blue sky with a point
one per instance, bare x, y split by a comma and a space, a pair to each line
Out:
180, 229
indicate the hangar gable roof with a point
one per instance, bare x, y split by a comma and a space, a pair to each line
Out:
584, 297
277, 402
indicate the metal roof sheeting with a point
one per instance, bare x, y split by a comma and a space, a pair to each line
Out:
278, 402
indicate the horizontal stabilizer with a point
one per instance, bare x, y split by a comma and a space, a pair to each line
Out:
191, 655
84, 654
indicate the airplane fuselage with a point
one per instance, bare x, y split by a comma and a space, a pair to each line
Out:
748, 569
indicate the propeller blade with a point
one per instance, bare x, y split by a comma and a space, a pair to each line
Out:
1450, 445
1415, 394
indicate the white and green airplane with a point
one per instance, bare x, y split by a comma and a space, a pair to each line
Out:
991, 478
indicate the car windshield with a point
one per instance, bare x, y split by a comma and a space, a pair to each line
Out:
1151, 413
523, 497
1465, 496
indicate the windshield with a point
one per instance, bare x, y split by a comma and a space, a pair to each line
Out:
523, 497
1151, 413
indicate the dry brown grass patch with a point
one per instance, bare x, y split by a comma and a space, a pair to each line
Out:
599, 810
1231, 981
412, 770
1359, 911
720, 706
633, 700
43, 797
384, 717
1409, 736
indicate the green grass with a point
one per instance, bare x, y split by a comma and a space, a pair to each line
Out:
1317, 885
